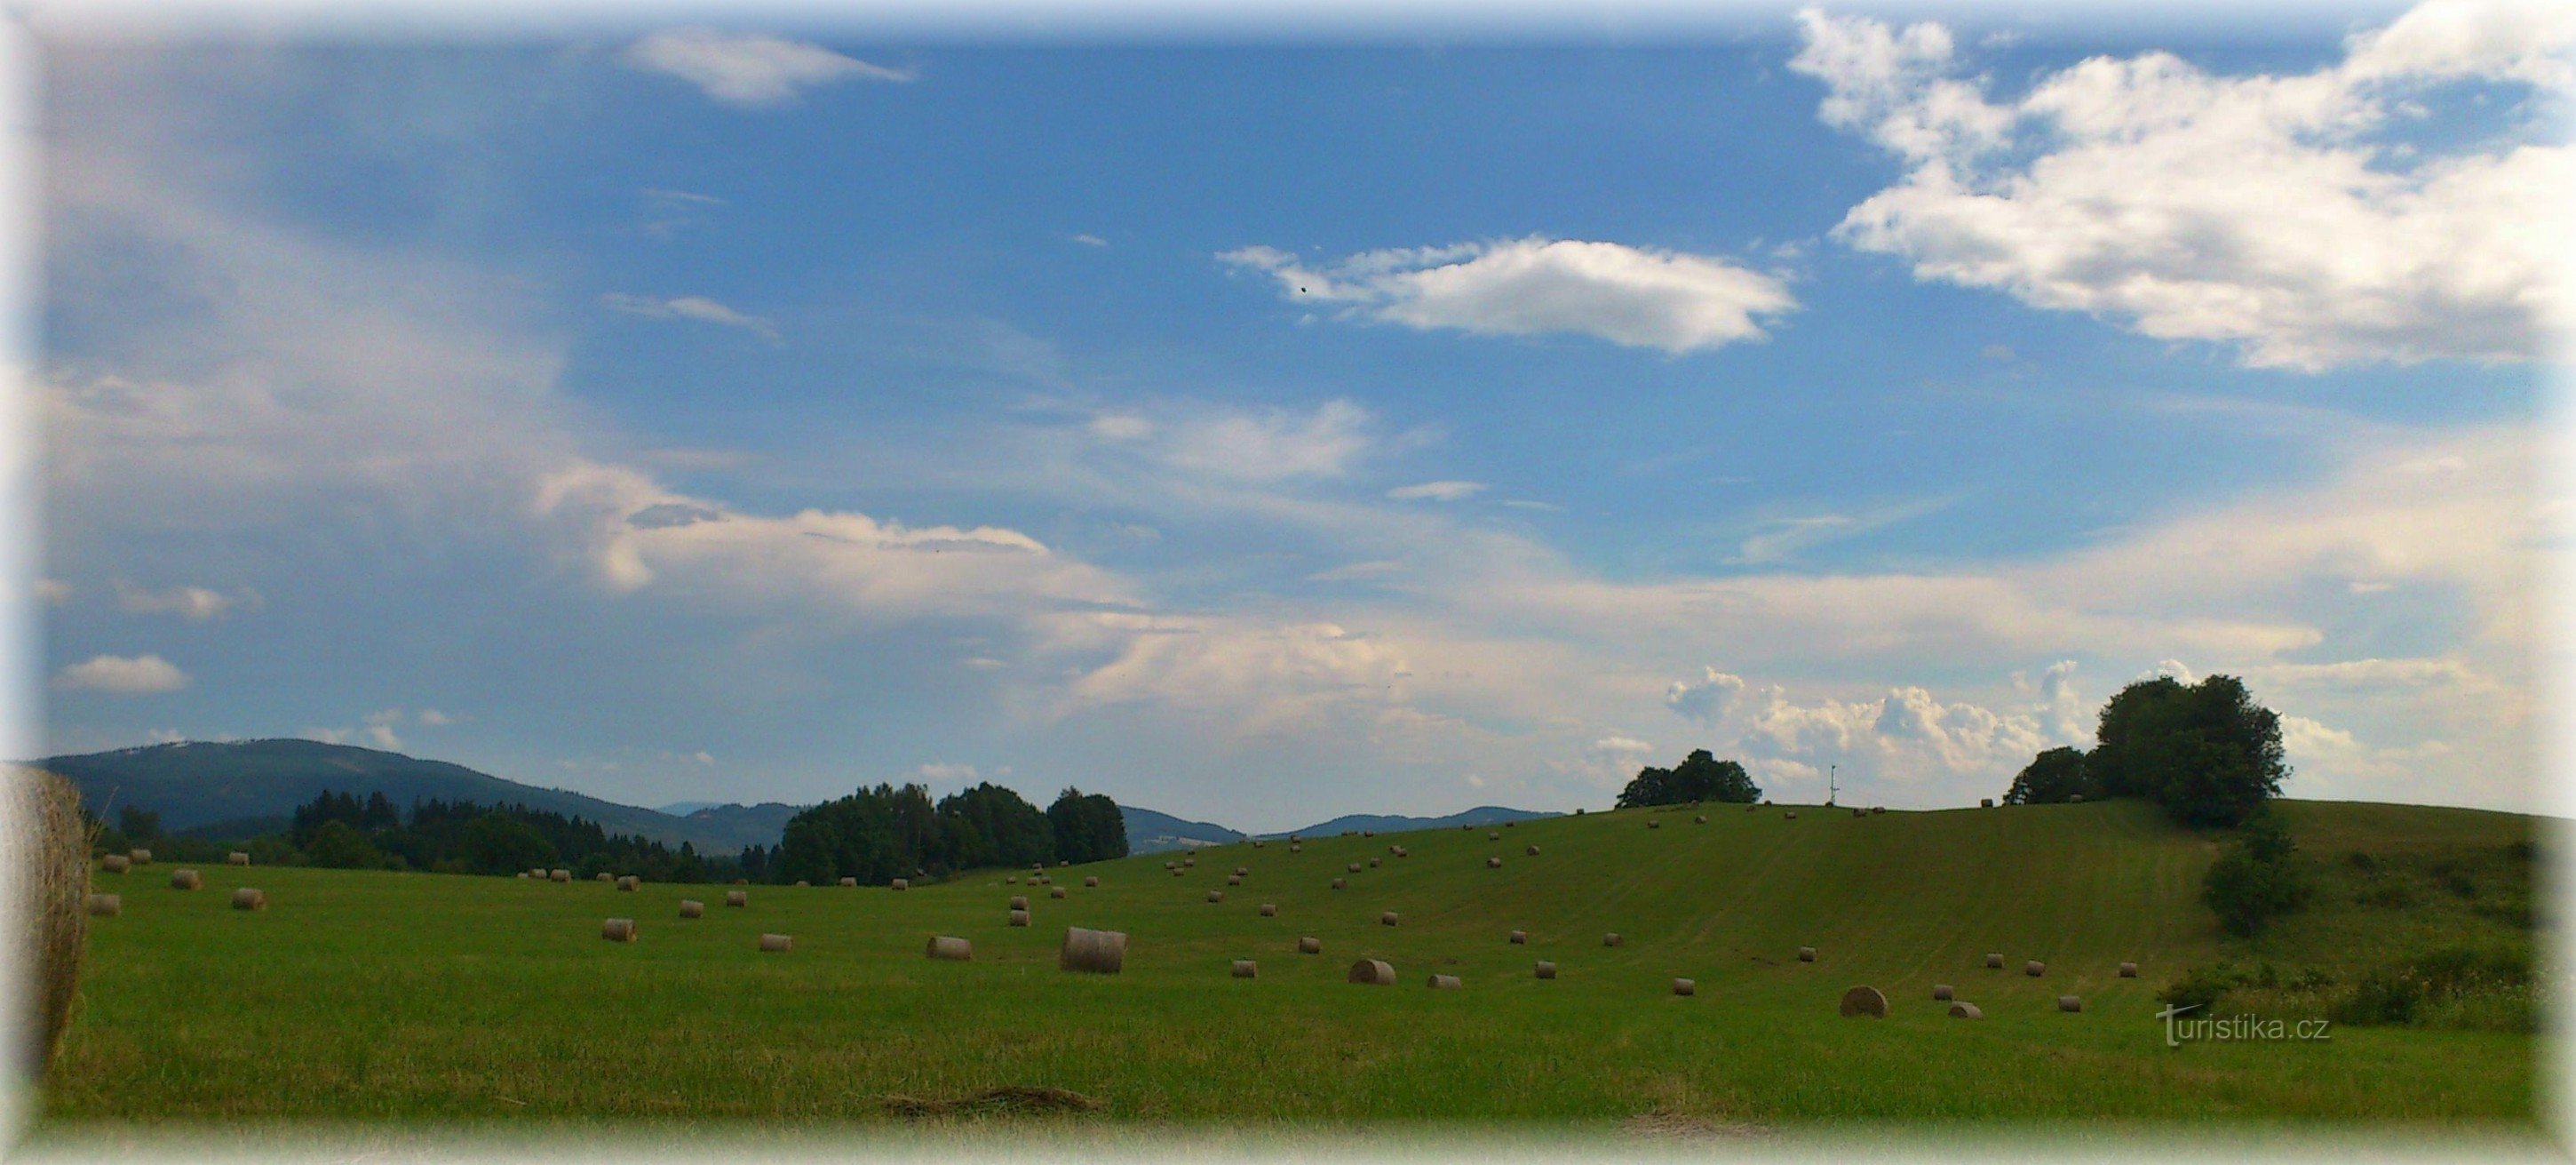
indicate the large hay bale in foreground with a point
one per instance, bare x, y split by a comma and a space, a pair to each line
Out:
1019, 918
2034, 968
1019, 902
115, 863
237, 858
737, 897
949, 947
776, 944
2069, 1003
1099, 952
1375, 972
2128, 970
247, 898
1806, 954
52, 875
1386, 918
1865, 1001
1246, 969
618, 930
1269, 910
1546, 970
1942, 992
1994, 961
106, 905
187, 880
1310, 945
1520, 938
1091, 883
1965, 1011
1612, 939
692, 908
1444, 983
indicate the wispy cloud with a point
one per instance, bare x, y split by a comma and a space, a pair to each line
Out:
750, 71
122, 675
1437, 491
690, 307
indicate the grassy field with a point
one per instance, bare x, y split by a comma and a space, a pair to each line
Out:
370, 996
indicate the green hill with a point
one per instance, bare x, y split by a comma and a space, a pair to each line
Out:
494, 1000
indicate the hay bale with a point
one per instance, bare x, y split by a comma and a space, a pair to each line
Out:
1444, 983
1338, 883
618, 930
2069, 1003
1510, 824
1685, 987
604, 876
1368, 833
1985, 803
1699, 819
1256, 843
1965, 1011
237, 858
1651, 823
115, 863
1296, 848
559, 876
1055, 891
1374, 972
949, 947
629, 884
1493, 863
2074, 799
52, 876
246, 898
1994, 961
1402, 852
1171, 865
1190, 861
1806, 954
106, 905
2128, 970
1098, 952
900, 884
1269, 910
1753, 809
186, 880
692, 908
2034, 968
538, 873
1246, 969
737, 897
1857, 812
1612, 939
1232, 880
1492, 836
1310, 945
1546, 970
1019, 918
1216, 896
1865, 1001
776, 944
1789, 815
1177, 871
1242, 871
1091, 883
1019, 902
140, 857
850, 882
1530, 852
1875, 810
1354, 867
1942, 993
1520, 938
1373, 862
1386, 918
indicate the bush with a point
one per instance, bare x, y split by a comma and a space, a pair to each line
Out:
2202, 987
2256, 881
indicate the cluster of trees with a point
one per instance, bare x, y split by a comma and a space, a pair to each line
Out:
1700, 777
2206, 752
887, 832
343, 831
2255, 881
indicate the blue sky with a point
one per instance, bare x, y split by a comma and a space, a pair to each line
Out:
1261, 431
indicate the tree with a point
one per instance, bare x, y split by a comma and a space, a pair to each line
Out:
1087, 828
1700, 777
142, 825
2055, 776
336, 845
497, 843
2255, 881
2206, 752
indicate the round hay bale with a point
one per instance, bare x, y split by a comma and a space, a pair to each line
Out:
1373, 862
1985, 803
1806, 954
140, 857
1368, 833
559, 876
618, 930
1402, 852
1510, 824
1177, 871
1012, 880
1493, 863
106, 905
2034, 968
1189, 861
1269, 910
1386, 918
2074, 799
900, 884
692, 908
1875, 810
1789, 815
1354, 867
1966, 1010
1685, 987
629, 884
1530, 852
1091, 883
1296, 848
1246, 969
1464, 827
1859, 812
1443, 983
1171, 865
1942, 993
1994, 961
52, 876
1520, 938
1699, 819
115, 863
2128, 970
1233, 880
538, 873
237, 858
1098, 952
1546, 970
1216, 896
1338, 883
850, 882
2069, 1003
776, 944
604, 876
1375, 972
1019, 902
186, 880
1055, 891
1753, 809
1651, 823
1865, 1001
1310, 945
1019, 918
737, 897
1492, 836
949, 947
1612, 939
246, 898
1256, 843
1242, 871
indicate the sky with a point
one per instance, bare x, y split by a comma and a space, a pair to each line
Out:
1260, 429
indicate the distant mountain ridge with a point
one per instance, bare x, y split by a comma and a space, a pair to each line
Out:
1383, 823
1151, 832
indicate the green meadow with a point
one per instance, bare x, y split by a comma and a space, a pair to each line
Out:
376, 996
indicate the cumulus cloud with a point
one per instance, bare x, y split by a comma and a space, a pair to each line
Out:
750, 71
690, 307
1437, 491
122, 675
2268, 212
1634, 297
1706, 701
195, 604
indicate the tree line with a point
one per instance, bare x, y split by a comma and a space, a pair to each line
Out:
342, 831
886, 832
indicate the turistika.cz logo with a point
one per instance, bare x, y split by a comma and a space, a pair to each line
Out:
2237, 1028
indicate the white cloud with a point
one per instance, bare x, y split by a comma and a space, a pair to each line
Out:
940, 774
195, 604
750, 71
2261, 211
1088, 240
123, 675
1630, 296
435, 718
690, 307
53, 592
1251, 445
1373, 568
1706, 701
1438, 491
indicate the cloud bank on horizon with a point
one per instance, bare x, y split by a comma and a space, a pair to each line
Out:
1484, 521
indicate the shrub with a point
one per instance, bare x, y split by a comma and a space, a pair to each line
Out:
2203, 987
2256, 881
